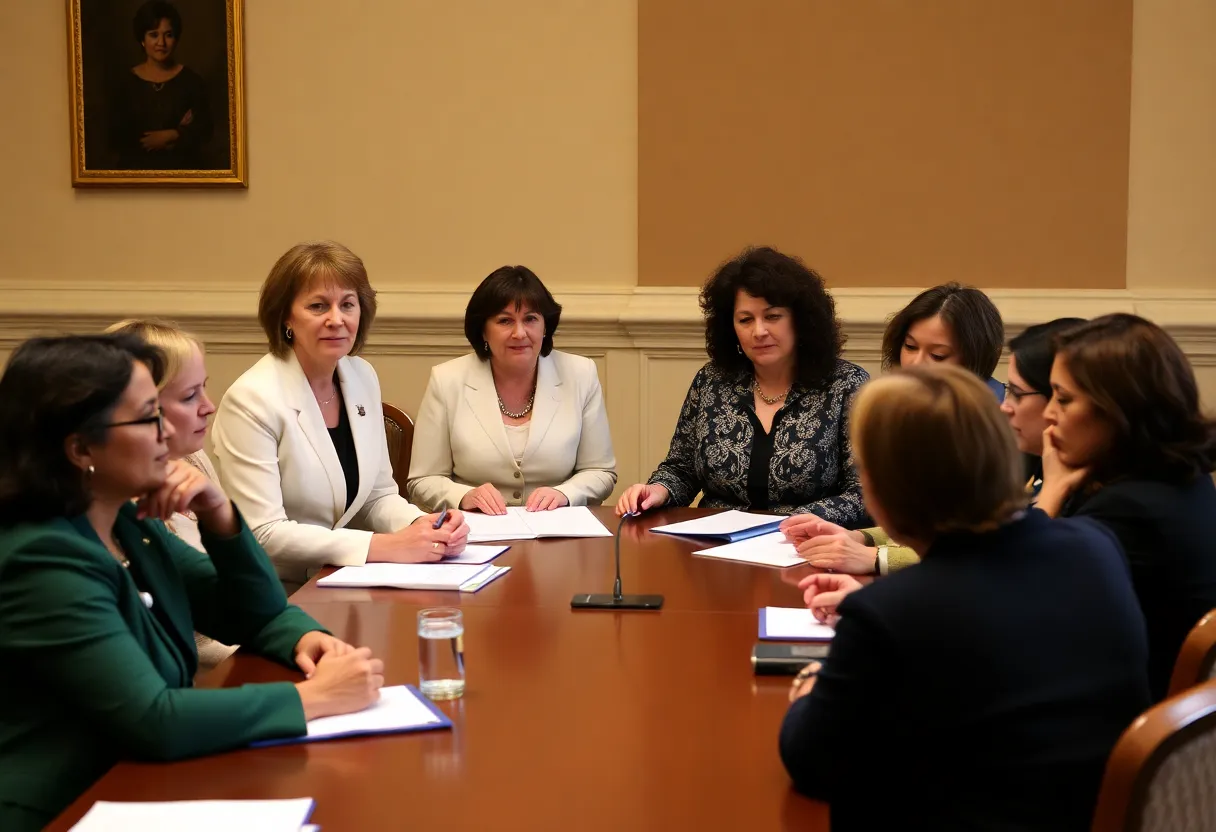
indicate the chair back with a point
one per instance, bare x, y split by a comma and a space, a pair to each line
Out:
1161, 775
1197, 659
399, 428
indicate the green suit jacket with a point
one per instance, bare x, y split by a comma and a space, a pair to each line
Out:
92, 675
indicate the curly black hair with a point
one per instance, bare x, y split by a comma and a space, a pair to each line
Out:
781, 280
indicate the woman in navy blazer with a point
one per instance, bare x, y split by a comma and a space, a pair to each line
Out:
1127, 444
984, 688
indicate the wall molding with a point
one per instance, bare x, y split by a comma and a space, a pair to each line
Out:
426, 319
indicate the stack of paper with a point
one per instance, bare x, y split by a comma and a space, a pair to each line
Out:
727, 525
198, 816
792, 624
475, 554
768, 550
435, 576
400, 709
520, 524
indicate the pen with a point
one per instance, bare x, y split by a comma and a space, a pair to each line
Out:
443, 515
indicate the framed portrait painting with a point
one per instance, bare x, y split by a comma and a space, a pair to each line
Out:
157, 93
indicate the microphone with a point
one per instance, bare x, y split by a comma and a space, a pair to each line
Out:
615, 600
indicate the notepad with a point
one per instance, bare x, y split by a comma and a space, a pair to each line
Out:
792, 624
520, 524
771, 549
198, 816
434, 576
400, 709
726, 525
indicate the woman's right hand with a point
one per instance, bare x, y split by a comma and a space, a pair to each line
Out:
342, 684
824, 592
484, 498
421, 542
641, 497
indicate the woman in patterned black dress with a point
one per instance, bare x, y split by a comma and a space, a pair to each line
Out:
765, 424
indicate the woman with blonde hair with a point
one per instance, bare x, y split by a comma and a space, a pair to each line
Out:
300, 436
1012, 658
186, 406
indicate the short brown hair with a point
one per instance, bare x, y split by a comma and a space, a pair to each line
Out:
1143, 386
941, 424
302, 267
515, 286
973, 319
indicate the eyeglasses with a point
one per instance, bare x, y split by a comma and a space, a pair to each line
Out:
158, 420
1016, 394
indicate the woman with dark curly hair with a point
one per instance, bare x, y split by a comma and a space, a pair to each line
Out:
1127, 444
765, 424
948, 324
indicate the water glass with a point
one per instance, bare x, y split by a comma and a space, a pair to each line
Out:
441, 653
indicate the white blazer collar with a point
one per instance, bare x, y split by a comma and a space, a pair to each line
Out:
545, 406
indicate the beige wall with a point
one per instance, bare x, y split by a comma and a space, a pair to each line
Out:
486, 133
437, 139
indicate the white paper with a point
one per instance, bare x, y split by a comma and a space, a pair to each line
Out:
520, 524
197, 816
770, 549
795, 623
474, 553
396, 709
405, 575
722, 523
484, 578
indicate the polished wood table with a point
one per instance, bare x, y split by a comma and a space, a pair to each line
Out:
586, 719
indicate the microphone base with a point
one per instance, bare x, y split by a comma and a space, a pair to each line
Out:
605, 601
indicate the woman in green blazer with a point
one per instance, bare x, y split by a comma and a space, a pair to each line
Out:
99, 601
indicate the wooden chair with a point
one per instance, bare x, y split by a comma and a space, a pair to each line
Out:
1161, 775
399, 428
1197, 659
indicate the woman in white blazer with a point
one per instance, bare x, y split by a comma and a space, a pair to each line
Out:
516, 423
300, 436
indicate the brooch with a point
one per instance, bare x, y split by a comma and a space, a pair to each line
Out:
359, 409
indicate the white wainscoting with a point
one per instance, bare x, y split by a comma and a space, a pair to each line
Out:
647, 342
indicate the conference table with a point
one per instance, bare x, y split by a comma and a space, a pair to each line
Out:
587, 720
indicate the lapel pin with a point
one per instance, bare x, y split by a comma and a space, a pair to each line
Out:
359, 409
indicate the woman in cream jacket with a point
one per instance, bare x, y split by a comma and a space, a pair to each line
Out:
300, 436
514, 424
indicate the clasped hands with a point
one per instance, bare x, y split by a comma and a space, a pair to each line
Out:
489, 500
827, 546
338, 677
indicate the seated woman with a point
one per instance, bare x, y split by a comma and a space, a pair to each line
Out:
300, 436
1128, 444
98, 600
515, 423
185, 405
764, 424
985, 688
866, 551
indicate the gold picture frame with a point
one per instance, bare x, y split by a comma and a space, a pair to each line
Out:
118, 112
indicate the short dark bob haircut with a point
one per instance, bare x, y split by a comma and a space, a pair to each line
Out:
781, 280
979, 332
150, 14
1034, 348
1141, 384
509, 286
53, 388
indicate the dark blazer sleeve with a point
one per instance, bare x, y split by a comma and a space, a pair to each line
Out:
829, 734
1123, 516
678, 472
85, 653
235, 595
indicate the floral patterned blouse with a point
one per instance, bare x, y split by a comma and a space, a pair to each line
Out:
720, 448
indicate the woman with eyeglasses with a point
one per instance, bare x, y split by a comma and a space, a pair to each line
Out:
99, 601
871, 551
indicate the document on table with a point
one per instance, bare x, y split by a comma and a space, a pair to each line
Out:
400, 709
198, 816
520, 524
792, 624
767, 550
725, 525
474, 553
438, 576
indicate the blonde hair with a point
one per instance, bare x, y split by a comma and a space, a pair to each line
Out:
298, 269
937, 452
176, 345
